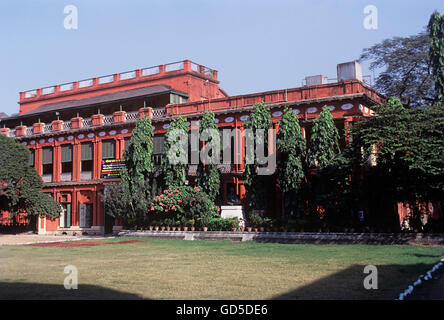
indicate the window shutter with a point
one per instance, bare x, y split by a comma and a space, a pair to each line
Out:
87, 151
31, 157
126, 141
108, 149
158, 142
47, 156
66, 153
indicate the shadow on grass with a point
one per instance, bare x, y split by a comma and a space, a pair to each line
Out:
43, 291
348, 284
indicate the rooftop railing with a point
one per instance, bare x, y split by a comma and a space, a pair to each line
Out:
133, 75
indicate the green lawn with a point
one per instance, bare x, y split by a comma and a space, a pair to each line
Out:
176, 269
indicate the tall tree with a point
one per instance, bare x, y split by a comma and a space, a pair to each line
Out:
176, 152
208, 176
257, 185
324, 140
131, 199
402, 154
404, 69
20, 184
436, 54
291, 145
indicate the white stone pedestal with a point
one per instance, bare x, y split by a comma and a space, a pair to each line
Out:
233, 212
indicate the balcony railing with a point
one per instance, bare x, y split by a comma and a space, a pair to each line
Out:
86, 123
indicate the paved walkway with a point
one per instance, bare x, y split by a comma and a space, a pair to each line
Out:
432, 289
17, 239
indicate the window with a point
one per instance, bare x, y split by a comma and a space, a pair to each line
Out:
66, 153
126, 145
47, 160
32, 157
108, 149
158, 146
85, 215
87, 163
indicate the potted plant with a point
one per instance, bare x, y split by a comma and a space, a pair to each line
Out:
168, 224
241, 223
266, 224
184, 223
173, 225
191, 223
162, 225
255, 220
178, 225
205, 220
234, 224
156, 226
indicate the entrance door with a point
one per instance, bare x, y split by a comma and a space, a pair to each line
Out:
109, 223
65, 217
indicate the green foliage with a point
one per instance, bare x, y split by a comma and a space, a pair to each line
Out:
405, 69
131, 199
254, 220
222, 224
184, 203
291, 145
20, 184
324, 141
138, 157
436, 54
174, 173
208, 176
257, 186
407, 145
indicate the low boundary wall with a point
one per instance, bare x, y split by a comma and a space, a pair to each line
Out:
295, 237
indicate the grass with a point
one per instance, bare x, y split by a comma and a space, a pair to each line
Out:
176, 269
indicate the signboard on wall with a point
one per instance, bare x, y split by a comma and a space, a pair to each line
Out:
111, 168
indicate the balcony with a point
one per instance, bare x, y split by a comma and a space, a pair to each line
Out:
130, 117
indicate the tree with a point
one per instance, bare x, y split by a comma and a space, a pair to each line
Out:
324, 141
257, 185
436, 54
131, 199
176, 152
406, 70
402, 156
20, 184
208, 176
291, 145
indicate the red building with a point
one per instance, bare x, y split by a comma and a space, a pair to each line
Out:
70, 128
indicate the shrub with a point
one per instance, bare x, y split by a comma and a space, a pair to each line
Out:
254, 220
222, 224
184, 204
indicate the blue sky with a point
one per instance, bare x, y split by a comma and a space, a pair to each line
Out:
255, 45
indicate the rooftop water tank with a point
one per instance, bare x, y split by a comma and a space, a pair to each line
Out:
349, 71
315, 80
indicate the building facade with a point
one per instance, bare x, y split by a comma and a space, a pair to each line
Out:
72, 128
